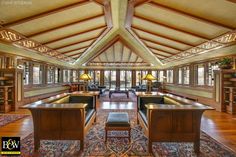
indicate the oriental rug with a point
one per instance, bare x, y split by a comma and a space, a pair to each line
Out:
9, 118
120, 147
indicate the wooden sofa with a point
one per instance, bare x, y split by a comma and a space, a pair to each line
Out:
166, 119
63, 117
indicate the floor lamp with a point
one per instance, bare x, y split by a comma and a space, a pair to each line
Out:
149, 78
85, 77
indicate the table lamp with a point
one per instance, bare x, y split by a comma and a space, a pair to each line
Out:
149, 78
86, 78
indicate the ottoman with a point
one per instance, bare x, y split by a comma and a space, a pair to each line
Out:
118, 121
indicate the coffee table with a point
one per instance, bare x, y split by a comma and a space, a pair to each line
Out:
118, 90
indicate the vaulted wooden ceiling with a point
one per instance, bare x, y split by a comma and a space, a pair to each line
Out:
61, 29
117, 53
84, 32
180, 27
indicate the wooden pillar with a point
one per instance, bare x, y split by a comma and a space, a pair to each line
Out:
101, 77
117, 78
133, 78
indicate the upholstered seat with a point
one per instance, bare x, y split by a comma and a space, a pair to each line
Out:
116, 119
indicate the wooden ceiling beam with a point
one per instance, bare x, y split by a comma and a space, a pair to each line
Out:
162, 36
75, 54
129, 14
160, 54
233, 1
76, 57
106, 4
171, 27
75, 43
99, 59
107, 12
75, 49
113, 51
122, 53
130, 54
151, 47
114, 40
46, 13
117, 62
73, 35
100, 2
100, 36
136, 58
158, 43
140, 2
106, 56
207, 21
65, 25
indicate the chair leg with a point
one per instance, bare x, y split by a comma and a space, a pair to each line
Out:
150, 146
105, 135
81, 145
129, 135
196, 146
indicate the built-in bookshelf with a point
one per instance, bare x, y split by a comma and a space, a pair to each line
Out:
225, 90
7, 62
11, 89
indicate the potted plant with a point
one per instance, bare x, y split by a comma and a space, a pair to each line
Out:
225, 63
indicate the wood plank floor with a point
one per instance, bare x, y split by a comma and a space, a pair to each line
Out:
220, 126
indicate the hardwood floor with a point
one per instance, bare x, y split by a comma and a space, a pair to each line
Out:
220, 126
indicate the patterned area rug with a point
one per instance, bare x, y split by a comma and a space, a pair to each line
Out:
120, 147
9, 118
118, 97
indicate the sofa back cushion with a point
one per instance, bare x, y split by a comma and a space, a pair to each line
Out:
61, 100
147, 100
83, 99
170, 101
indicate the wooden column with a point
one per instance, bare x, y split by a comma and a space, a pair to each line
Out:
117, 78
101, 77
133, 78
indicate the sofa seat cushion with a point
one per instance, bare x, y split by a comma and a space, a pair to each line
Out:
117, 119
88, 115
